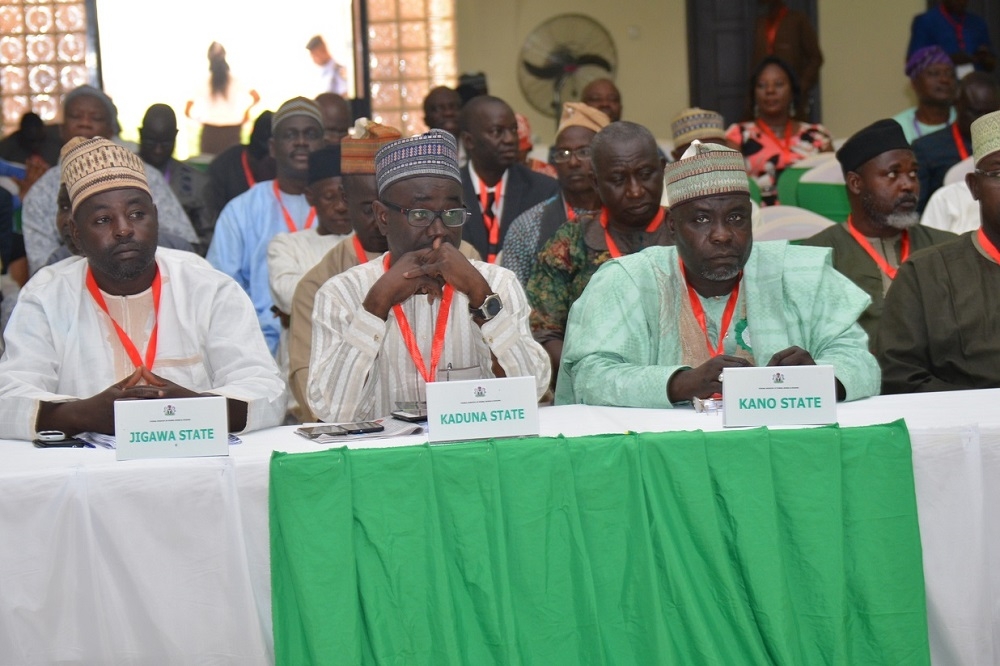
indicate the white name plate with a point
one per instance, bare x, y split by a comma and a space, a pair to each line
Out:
781, 395
481, 408
171, 428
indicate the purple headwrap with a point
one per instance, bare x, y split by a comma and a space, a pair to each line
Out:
924, 58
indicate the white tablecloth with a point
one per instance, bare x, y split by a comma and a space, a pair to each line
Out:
167, 561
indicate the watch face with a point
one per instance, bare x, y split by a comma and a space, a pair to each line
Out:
492, 306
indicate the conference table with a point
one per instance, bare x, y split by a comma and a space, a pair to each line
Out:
168, 561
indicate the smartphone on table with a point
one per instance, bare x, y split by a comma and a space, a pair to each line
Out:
57, 439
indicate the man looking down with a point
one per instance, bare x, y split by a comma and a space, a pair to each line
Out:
128, 321
657, 327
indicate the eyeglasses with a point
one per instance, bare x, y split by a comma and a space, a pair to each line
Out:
995, 175
565, 154
423, 217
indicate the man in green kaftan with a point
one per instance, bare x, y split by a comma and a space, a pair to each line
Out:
884, 227
657, 327
941, 324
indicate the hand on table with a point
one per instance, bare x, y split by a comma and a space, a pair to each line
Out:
703, 381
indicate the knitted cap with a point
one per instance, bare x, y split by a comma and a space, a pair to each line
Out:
924, 58
578, 114
297, 106
357, 150
985, 135
691, 124
705, 170
92, 166
434, 153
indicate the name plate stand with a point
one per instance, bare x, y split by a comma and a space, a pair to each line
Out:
481, 408
171, 428
781, 395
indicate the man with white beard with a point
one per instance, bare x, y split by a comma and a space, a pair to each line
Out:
884, 226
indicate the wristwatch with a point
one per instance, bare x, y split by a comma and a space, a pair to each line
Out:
491, 307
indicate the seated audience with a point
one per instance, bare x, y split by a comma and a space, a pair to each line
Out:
357, 163
238, 168
88, 113
965, 37
774, 140
251, 220
941, 318
883, 228
933, 79
496, 188
789, 34
657, 327
157, 140
423, 312
953, 209
603, 94
336, 114
978, 94
578, 196
628, 172
73, 341
32, 141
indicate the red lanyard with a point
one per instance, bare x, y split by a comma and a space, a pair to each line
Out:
360, 251
959, 142
650, 228
570, 213
956, 26
784, 144
699, 313
288, 218
772, 29
251, 181
437, 345
878, 258
990, 248
490, 218
126, 341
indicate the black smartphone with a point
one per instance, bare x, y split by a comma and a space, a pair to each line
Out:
410, 415
362, 427
313, 432
68, 443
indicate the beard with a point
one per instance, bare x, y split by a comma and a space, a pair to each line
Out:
124, 269
893, 219
720, 274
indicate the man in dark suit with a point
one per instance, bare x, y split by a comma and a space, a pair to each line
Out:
496, 188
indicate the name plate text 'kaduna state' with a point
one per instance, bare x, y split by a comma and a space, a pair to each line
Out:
481, 408
171, 428
780, 395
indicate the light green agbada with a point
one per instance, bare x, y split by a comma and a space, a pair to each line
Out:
623, 341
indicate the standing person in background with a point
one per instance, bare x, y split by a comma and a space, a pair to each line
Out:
963, 36
332, 74
222, 106
787, 34
932, 76
774, 140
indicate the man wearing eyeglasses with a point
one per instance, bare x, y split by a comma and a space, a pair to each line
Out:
249, 222
628, 176
940, 328
884, 227
422, 312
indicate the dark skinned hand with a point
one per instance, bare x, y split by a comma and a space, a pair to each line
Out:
394, 287
799, 356
703, 381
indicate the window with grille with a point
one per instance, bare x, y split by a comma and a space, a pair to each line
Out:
43, 52
412, 49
